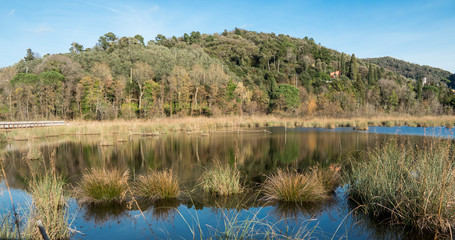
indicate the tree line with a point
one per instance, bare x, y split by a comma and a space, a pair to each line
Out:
236, 72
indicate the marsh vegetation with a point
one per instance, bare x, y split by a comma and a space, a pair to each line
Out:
254, 184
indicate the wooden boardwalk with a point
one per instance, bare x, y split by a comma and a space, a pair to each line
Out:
11, 125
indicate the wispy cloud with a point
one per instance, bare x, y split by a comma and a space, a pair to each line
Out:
41, 29
154, 9
12, 11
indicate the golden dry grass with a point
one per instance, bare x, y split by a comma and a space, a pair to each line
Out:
99, 186
125, 128
156, 185
291, 186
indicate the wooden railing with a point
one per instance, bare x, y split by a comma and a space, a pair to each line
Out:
11, 125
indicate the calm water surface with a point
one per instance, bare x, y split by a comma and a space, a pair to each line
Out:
200, 216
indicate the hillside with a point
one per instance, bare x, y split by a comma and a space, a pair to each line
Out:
236, 72
411, 70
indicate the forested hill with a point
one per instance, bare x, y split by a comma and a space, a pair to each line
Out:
235, 72
412, 70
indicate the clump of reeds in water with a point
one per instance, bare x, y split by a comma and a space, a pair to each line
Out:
410, 185
50, 206
292, 186
100, 186
155, 185
330, 177
221, 180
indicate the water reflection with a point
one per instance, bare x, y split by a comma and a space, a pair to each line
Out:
256, 154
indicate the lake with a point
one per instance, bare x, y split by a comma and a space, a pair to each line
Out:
201, 216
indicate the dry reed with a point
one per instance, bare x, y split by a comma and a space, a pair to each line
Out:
155, 185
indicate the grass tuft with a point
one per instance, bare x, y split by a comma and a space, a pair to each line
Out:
156, 185
100, 186
410, 185
291, 186
221, 180
50, 206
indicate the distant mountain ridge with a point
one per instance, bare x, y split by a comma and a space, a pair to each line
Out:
412, 70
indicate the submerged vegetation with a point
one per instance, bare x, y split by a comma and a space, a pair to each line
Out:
410, 185
221, 180
99, 186
157, 185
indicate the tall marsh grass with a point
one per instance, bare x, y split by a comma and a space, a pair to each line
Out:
408, 184
99, 186
221, 180
156, 185
50, 206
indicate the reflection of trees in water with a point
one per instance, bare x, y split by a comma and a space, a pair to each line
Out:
257, 154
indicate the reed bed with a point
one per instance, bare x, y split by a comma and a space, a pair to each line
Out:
100, 186
124, 128
50, 206
291, 186
407, 184
221, 180
157, 185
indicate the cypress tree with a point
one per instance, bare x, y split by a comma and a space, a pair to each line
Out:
370, 74
343, 64
353, 68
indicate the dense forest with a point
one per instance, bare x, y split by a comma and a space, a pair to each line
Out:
236, 72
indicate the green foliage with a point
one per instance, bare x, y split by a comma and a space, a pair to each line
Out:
24, 78
197, 73
290, 94
411, 70
51, 77
30, 55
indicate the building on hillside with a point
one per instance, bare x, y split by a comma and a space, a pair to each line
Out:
424, 81
335, 74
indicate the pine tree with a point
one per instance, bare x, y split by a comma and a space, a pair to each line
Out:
30, 55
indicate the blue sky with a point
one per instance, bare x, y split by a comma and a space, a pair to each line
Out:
421, 32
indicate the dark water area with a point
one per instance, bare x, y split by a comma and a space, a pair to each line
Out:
200, 216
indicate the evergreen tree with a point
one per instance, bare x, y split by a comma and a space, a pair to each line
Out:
370, 75
343, 64
30, 55
353, 68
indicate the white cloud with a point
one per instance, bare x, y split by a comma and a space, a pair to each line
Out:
12, 11
41, 29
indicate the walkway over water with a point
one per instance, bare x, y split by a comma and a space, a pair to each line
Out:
11, 125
